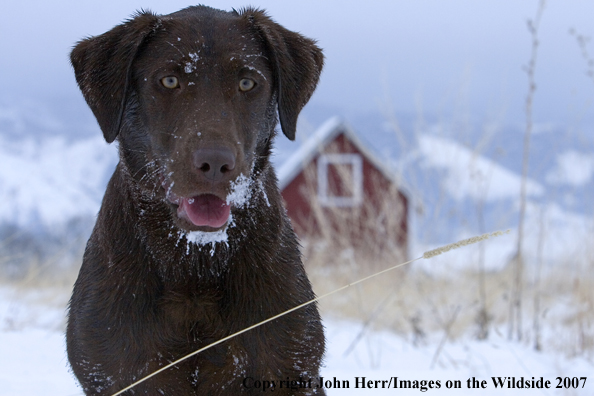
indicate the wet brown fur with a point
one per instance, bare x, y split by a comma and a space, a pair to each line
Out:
145, 295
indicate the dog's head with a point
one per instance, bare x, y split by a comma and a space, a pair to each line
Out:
192, 99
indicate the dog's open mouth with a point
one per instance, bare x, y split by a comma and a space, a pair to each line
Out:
206, 210
203, 210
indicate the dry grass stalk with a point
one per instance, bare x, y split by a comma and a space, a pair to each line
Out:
515, 320
583, 42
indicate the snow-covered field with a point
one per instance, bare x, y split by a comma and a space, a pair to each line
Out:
33, 360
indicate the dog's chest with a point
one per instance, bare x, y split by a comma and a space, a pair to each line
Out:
189, 311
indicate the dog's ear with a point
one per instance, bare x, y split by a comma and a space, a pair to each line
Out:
297, 62
102, 66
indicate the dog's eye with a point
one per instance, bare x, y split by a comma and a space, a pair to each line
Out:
170, 82
246, 84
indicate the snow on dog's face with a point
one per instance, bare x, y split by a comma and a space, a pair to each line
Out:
206, 102
192, 98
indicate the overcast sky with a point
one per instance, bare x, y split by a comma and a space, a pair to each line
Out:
444, 56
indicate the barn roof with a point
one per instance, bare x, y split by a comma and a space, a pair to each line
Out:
316, 143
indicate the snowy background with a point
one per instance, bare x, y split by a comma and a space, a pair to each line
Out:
435, 88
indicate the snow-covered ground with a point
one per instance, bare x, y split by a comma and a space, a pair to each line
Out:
33, 360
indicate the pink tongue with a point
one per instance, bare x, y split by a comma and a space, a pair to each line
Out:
205, 210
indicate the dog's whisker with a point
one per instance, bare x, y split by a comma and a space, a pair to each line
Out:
149, 166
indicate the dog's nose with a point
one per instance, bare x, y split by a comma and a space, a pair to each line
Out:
214, 163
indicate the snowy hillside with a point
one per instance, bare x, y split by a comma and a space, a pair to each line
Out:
44, 183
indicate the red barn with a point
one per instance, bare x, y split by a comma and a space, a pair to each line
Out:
335, 189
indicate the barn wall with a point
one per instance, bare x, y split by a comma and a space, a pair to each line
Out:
379, 222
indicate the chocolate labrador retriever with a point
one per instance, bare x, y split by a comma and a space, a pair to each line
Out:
192, 242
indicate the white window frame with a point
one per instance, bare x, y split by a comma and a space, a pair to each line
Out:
356, 162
